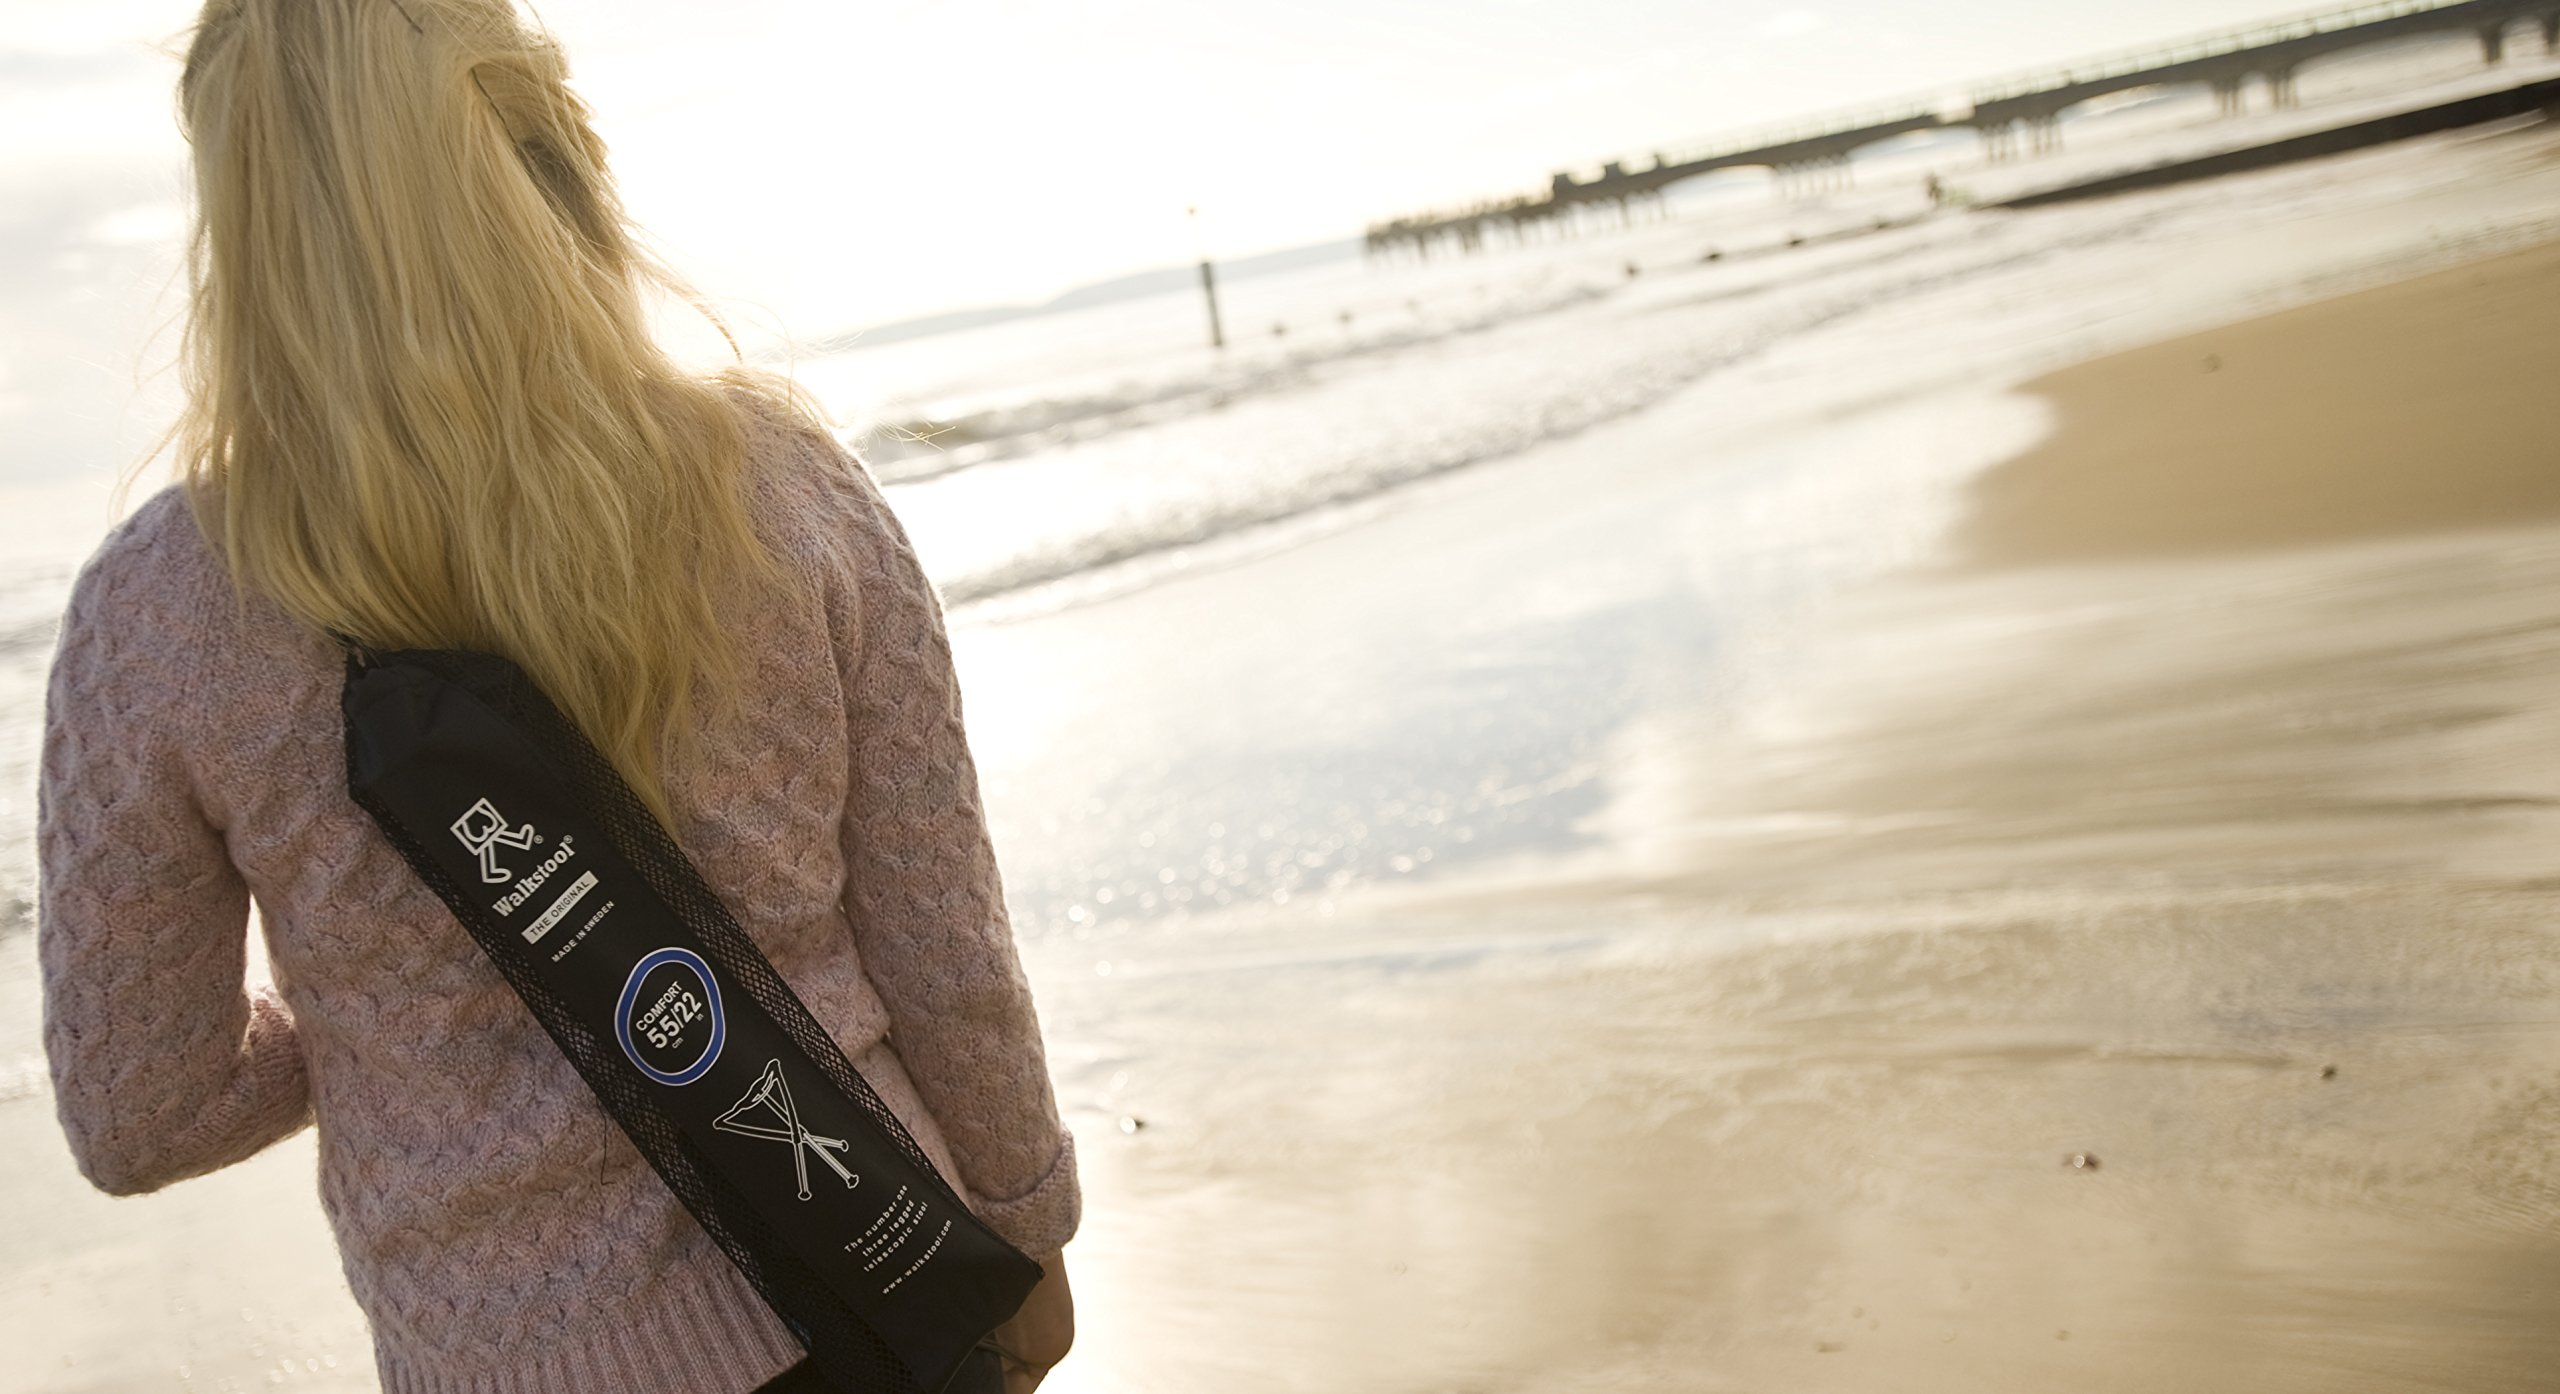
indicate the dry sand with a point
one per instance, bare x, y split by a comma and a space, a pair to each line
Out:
2199, 819
2426, 405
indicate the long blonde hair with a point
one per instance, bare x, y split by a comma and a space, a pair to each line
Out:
424, 405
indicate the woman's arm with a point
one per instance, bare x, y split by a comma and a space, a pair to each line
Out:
164, 1065
924, 897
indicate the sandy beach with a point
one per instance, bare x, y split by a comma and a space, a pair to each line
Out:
2176, 794
2198, 826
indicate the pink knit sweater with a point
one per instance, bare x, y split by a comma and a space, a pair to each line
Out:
498, 1229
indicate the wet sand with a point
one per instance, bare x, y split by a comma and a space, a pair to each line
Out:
1839, 1163
227, 1283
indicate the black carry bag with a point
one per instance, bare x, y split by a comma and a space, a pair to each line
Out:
687, 1035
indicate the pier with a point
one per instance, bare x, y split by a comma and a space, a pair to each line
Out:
2012, 116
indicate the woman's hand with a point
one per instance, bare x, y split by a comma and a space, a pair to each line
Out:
1039, 1334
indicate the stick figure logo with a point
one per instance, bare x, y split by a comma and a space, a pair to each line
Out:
770, 1097
482, 828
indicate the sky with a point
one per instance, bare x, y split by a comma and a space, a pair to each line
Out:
815, 167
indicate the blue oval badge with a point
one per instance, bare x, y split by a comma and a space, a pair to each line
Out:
670, 1021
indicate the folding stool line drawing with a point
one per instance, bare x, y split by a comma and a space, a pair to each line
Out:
771, 1091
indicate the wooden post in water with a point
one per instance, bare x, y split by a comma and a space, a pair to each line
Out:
1209, 288
1208, 283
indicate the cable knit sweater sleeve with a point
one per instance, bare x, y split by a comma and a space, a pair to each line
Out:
923, 893
164, 1065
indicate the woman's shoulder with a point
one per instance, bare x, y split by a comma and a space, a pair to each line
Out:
813, 491
153, 571
139, 633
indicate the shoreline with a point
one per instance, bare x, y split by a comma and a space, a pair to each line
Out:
2216, 850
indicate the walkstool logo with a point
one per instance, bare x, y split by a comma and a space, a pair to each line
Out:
482, 828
